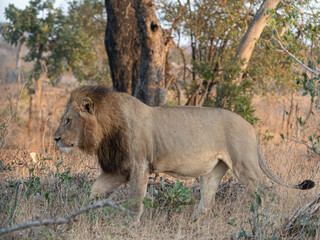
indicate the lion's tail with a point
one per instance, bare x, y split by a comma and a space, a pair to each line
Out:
306, 184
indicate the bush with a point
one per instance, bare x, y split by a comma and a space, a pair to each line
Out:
173, 197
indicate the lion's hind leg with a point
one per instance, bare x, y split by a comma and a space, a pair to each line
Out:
107, 182
248, 173
209, 184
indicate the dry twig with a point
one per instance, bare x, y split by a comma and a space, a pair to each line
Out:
307, 212
15, 203
65, 219
302, 142
4, 131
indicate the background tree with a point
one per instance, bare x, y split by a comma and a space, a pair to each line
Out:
155, 43
215, 30
25, 26
123, 44
252, 35
78, 43
59, 41
137, 62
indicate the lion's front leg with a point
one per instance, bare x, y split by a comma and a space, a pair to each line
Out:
138, 186
107, 182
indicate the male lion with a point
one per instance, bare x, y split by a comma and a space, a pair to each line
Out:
132, 140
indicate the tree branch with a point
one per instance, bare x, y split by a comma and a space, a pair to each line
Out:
65, 219
302, 142
177, 19
313, 71
253, 33
184, 63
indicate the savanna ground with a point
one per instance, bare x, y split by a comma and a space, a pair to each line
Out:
56, 184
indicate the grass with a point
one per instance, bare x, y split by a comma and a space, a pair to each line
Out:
59, 184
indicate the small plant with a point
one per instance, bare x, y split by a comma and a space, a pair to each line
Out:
64, 178
64, 181
33, 182
265, 136
47, 197
175, 197
259, 222
315, 143
85, 186
311, 86
311, 226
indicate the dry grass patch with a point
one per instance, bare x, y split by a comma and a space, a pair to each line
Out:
59, 184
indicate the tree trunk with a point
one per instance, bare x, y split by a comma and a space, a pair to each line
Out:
297, 121
38, 97
155, 44
290, 116
16, 75
254, 31
122, 44
30, 113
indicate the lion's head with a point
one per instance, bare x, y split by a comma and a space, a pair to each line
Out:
79, 124
70, 131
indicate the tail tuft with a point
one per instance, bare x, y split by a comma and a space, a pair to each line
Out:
306, 184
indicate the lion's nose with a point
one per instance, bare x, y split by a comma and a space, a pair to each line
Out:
56, 138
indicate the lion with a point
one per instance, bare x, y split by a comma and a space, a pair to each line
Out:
132, 140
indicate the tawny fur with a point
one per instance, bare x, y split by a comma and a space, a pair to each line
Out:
132, 140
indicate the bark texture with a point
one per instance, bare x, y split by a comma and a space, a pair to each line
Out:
122, 44
155, 43
16, 75
254, 31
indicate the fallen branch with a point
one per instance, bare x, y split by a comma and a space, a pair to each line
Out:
306, 212
65, 219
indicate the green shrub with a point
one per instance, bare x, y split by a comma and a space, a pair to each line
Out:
173, 197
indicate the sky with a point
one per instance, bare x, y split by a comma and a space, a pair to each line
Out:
21, 4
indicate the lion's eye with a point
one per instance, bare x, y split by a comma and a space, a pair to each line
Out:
68, 121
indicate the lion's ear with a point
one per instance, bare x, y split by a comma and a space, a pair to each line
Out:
87, 105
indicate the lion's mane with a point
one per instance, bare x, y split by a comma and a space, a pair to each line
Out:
106, 134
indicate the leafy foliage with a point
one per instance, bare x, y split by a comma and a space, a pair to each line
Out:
228, 94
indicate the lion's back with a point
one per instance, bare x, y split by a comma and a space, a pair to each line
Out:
198, 128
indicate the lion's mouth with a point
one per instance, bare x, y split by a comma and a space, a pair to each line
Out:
65, 147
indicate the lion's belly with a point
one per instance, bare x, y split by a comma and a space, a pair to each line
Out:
187, 166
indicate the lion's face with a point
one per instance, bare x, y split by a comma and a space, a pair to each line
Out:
70, 130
